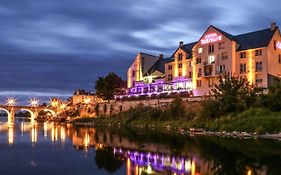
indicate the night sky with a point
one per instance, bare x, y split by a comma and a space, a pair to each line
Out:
52, 47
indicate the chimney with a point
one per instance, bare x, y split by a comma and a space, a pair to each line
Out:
273, 26
160, 56
181, 44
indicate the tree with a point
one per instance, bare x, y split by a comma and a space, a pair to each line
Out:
233, 94
107, 87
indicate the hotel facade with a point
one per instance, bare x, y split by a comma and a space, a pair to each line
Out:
196, 67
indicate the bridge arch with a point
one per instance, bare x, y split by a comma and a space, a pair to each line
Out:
48, 110
3, 109
33, 115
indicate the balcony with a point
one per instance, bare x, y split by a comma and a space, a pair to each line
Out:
208, 70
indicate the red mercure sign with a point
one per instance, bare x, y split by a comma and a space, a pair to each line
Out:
278, 45
211, 38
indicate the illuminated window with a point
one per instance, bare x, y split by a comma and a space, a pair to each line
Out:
243, 54
221, 45
221, 69
243, 68
198, 60
170, 67
258, 66
200, 50
211, 59
180, 57
258, 52
170, 77
211, 48
198, 83
224, 56
180, 65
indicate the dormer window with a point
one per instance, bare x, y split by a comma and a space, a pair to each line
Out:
180, 57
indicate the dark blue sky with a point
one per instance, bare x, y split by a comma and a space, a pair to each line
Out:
52, 47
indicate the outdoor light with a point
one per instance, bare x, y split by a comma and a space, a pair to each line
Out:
34, 102
87, 100
63, 106
11, 101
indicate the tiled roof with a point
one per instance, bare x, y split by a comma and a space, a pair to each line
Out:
255, 39
159, 66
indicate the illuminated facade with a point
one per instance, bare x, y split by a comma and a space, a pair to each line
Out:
197, 66
84, 97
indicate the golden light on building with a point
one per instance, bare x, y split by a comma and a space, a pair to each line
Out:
251, 68
87, 100
193, 168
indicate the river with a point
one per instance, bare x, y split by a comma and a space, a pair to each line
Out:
56, 149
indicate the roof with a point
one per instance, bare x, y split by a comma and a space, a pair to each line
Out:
187, 48
257, 39
159, 66
229, 36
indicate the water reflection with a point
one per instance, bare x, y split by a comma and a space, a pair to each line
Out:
142, 152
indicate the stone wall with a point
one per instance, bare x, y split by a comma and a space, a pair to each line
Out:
114, 107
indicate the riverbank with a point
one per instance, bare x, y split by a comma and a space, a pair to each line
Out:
254, 121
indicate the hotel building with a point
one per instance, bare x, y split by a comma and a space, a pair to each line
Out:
196, 67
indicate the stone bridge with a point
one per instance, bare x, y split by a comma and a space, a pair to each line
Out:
34, 111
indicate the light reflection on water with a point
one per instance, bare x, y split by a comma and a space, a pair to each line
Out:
49, 148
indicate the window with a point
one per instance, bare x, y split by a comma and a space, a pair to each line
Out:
200, 50
211, 48
199, 72
242, 68
243, 54
180, 65
224, 56
258, 66
221, 69
198, 60
133, 73
258, 52
180, 57
179, 74
221, 45
274, 44
259, 80
190, 74
211, 59
189, 63
210, 82
170, 77
198, 83
170, 67
279, 59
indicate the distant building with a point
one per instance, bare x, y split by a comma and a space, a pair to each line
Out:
196, 67
85, 97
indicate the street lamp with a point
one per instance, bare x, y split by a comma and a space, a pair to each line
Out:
34, 102
11, 101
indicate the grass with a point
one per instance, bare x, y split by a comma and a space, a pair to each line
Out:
257, 120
